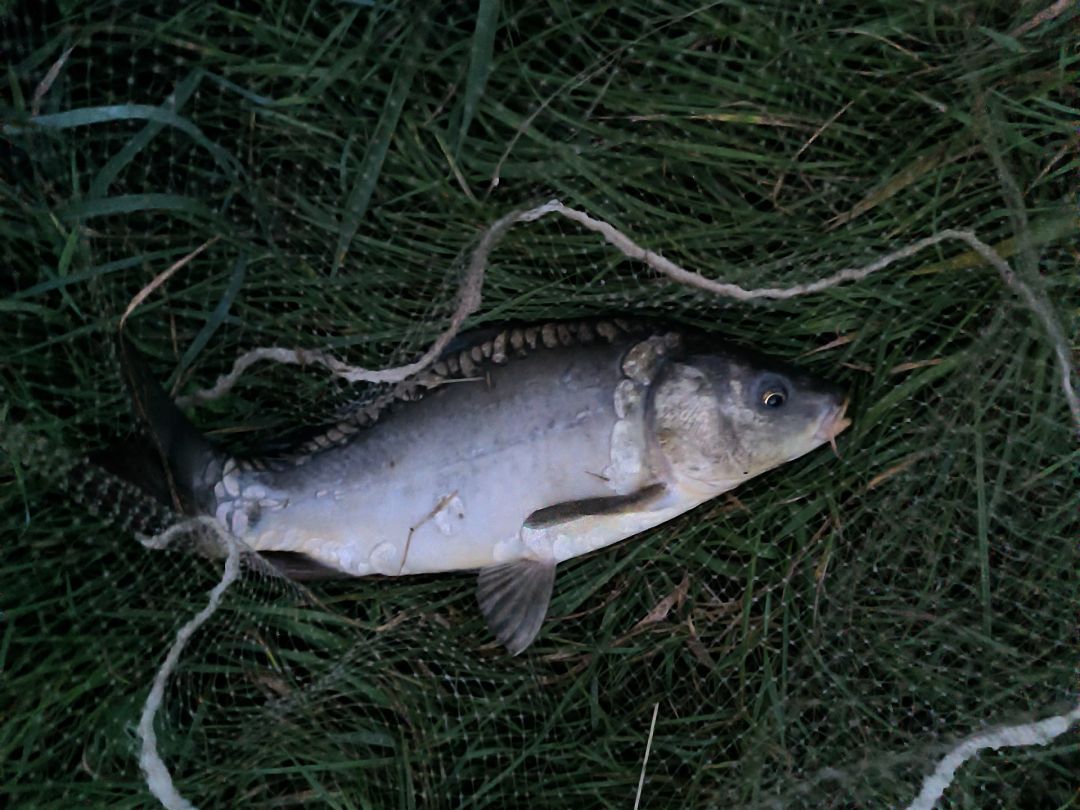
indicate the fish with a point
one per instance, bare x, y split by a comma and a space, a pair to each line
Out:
520, 449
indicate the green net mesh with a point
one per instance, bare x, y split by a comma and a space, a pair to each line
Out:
316, 175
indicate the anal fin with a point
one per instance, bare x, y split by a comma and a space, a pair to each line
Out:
514, 599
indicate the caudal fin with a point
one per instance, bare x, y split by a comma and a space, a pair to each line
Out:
169, 458
167, 469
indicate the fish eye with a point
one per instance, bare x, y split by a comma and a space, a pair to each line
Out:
773, 398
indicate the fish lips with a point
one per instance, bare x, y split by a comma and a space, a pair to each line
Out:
833, 424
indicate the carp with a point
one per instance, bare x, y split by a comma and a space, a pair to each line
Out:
520, 449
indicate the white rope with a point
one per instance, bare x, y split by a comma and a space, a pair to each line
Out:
472, 283
158, 778
468, 302
1039, 733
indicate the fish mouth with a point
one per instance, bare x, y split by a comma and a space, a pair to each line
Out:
833, 424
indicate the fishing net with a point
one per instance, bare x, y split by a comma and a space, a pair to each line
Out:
841, 632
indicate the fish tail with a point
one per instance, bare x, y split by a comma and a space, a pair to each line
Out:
170, 458
166, 471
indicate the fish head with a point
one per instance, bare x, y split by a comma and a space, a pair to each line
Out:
724, 416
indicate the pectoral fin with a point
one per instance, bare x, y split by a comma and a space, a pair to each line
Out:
514, 600
568, 511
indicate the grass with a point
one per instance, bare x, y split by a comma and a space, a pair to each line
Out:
843, 621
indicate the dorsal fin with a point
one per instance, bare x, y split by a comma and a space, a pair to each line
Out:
470, 356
